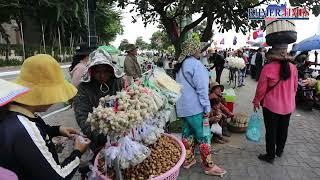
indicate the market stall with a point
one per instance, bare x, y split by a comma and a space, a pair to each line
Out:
133, 121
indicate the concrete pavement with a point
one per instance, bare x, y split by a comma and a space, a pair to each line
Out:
301, 159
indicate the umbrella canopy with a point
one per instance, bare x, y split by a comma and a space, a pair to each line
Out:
110, 49
308, 44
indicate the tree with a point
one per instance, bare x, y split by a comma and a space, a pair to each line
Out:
227, 14
159, 41
67, 19
123, 44
141, 43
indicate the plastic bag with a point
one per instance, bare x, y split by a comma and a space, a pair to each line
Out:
254, 128
149, 134
132, 153
216, 129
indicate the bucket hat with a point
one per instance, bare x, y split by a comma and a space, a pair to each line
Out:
9, 91
190, 47
131, 47
98, 57
43, 76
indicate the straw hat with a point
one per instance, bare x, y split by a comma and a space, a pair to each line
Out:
43, 76
214, 84
190, 47
131, 47
9, 91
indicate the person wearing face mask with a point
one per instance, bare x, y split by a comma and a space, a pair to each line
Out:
100, 79
194, 106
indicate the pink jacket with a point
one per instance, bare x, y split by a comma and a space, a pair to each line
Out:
280, 99
77, 73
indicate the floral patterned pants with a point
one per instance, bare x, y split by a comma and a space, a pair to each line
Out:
192, 134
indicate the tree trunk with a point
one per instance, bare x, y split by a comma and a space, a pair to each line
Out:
207, 33
59, 37
43, 39
22, 38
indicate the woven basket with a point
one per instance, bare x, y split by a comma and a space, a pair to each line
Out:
280, 31
241, 120
172, 174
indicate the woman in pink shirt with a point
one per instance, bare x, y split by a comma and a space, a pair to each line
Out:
79, 63
276, 92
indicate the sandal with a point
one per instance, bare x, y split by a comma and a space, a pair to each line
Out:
188, 165
215, 171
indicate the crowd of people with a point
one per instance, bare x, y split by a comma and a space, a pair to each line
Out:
26, 140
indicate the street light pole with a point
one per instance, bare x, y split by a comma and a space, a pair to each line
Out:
91, 23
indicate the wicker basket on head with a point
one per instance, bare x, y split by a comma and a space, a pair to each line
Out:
280, 32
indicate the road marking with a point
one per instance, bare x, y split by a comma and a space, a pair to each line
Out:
10, 73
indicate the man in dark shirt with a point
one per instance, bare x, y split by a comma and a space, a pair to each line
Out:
218, 62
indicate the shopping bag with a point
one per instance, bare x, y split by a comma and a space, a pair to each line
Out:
216, 129
254, 128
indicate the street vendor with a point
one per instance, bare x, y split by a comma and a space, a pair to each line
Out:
25, 139
131, 65
216, 116
101, 78
193, 106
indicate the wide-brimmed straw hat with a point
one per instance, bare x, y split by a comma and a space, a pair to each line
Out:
9, 91
131, 47
43, 76
190, 47
214, 84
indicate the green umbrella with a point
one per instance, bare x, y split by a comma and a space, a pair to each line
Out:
110, 49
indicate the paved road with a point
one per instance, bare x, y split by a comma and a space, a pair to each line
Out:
239, 157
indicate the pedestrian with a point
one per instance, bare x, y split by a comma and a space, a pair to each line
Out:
193, 107
79, 63
100, 79
276, 90
25, 139
253, 64
131, 64
241, 72
259, 63
218, 62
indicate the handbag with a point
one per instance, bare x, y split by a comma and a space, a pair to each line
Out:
272, 87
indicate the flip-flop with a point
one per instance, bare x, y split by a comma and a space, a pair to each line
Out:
190, 164
213, 172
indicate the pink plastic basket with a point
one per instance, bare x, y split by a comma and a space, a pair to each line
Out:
172, 174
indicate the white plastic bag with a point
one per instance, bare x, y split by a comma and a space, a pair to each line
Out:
216, 129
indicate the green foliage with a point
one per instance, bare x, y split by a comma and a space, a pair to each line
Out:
196, 37
141, 43
159, 41
227, 14
11, 62
68, 16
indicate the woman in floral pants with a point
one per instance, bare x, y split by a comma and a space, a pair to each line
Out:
194, 105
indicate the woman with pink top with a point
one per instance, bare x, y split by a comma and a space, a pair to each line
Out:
79, 63
276, 90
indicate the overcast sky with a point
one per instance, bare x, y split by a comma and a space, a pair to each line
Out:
305, 29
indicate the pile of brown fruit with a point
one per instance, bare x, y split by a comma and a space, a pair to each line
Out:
165, 154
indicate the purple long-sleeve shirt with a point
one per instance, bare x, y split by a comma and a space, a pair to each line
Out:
194, 98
